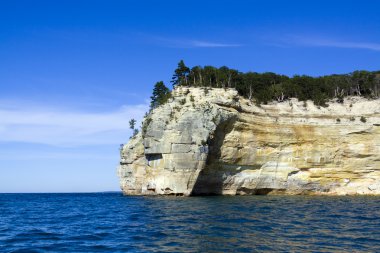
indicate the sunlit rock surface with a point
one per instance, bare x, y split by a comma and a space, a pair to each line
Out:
213, 141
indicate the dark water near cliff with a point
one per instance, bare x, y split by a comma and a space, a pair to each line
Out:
110, 222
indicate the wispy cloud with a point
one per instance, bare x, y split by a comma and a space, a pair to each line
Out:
198, 43
312, 41
52, 126
192, 43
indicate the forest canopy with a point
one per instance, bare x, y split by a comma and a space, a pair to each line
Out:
268, 86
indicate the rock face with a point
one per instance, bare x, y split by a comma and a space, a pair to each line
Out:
211, 141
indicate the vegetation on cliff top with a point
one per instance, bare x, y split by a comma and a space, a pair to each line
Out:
268, 86
265, 87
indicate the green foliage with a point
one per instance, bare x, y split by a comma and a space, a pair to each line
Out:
265, 87
132, 124
181, 74
160, 95
192, 98
182, 101
268, 86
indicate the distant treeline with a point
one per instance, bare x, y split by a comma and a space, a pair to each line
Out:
268, 86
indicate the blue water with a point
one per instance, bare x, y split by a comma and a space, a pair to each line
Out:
110, 222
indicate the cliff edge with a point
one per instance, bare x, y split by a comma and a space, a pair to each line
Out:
207, 141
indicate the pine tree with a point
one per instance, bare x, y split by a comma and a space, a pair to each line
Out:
132, 124
181, 74
160, 95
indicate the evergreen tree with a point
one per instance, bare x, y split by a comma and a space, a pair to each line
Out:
181, 74
209, 76
195, 76
132, 124
160, 95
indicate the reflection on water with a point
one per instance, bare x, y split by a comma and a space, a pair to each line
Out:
111, 222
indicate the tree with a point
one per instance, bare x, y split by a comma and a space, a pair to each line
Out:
209, 76
160, 95
277, 90
223, 74
132, 124
195, 76
181, 74
233, 78
249, 80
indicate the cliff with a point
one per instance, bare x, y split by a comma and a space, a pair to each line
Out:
212, 141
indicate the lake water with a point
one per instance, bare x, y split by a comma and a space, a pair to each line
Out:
110, 222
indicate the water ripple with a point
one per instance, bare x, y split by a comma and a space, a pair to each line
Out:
114, 223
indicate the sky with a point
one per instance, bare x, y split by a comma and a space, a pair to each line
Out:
73, 73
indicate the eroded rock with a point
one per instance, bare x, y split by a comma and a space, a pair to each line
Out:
223, 144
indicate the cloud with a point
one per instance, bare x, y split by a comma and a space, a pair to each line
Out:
22, 122
311, 41
190, 43
198, 43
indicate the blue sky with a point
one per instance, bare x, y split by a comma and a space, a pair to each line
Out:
73, 73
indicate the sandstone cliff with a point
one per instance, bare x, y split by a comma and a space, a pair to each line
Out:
211, 141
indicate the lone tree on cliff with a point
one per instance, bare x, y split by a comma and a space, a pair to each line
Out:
181, 74
132, 124
160, 95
